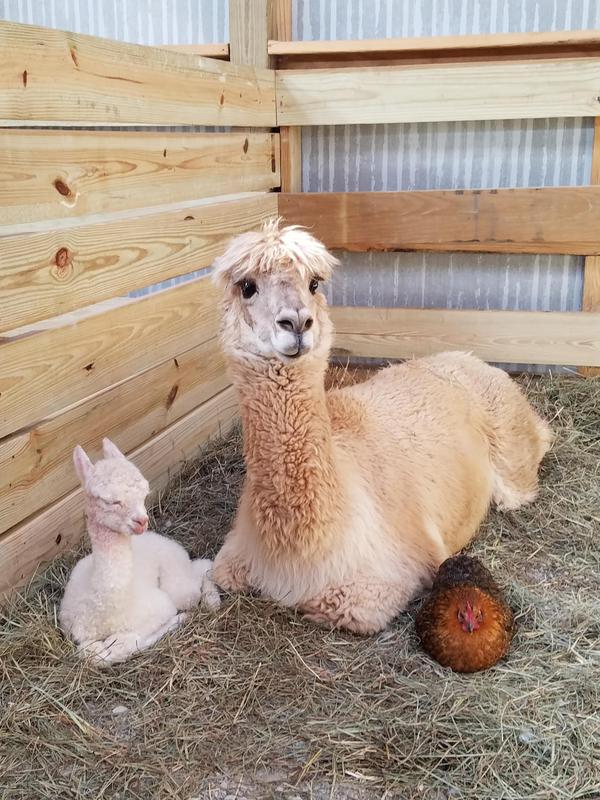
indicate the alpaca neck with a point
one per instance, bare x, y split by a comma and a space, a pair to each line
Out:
112, 555
291, 479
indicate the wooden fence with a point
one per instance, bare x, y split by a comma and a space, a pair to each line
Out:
87, 217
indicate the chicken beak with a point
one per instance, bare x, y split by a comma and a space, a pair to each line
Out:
470, 626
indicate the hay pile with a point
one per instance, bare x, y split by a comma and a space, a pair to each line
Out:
254, 703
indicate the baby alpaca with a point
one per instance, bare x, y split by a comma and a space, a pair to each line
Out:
127, 593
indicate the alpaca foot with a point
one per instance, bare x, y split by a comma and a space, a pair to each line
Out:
122, 646
203, 568
360, 609
230, 573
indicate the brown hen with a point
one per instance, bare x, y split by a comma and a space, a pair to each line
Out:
465, 623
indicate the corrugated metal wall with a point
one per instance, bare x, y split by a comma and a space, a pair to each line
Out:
393, 157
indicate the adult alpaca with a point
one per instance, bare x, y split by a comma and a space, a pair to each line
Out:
354, 497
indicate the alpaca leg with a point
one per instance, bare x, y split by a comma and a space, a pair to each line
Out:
230, 571
210, 594
120, 647
516, 455
361, 608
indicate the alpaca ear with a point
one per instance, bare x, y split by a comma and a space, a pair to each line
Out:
82, 463
111, 450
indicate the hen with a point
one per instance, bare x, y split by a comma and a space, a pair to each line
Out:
465, 623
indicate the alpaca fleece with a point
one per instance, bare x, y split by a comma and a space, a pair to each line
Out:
354, 497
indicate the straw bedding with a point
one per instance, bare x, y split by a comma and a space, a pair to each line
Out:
256, 703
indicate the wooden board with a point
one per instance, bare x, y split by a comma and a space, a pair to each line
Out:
431, 93
558, 40
248, 31
220, 50
552, 220
36, 466
321, 54
45, 372
518, 337
591, 270
40, 539
45, 274
55, 77
49, 175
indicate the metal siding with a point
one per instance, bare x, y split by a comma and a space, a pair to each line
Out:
448, 156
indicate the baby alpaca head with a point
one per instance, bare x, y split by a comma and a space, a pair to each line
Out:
115, 490
272, 308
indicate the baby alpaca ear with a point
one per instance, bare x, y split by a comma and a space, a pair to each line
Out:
111, 450
82, 463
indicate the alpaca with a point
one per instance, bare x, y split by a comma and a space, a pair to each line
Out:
127, 593
354, 497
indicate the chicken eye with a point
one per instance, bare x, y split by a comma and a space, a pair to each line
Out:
313, 285
248, 288
460, 616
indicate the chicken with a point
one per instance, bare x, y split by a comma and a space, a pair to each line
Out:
465, 623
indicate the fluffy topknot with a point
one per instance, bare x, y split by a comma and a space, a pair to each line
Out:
271, 248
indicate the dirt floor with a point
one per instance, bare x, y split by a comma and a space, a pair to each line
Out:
256, 703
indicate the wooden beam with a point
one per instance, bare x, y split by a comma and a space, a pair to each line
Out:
291, 138
36, 467
591, 270
518, 337
220, 50
54, 77
552, 220
47, 371
26, 548
249, 22
50, 175
46, 274
322, 54
434, 93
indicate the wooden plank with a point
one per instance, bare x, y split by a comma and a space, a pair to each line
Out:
518, 337
217, 50
249, 31
291, 138
36, 466
552, 220
36, 542
45, 372
56, 77
45, 274
591, 270
60, 175
555, 40
433, 93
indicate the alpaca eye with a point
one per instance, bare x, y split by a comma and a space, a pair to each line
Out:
248, 289
313, 285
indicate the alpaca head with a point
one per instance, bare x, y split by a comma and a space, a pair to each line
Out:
115, 490
272, 308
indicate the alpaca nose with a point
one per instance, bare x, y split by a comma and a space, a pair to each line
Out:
295, 321
140, 522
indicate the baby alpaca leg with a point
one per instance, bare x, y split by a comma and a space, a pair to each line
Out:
120, 647
361, 608
210, 594
179, 579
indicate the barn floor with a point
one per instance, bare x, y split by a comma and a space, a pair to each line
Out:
255, 703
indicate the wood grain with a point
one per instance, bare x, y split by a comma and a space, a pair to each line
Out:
26, 548
49, 175
518, 337
56, 77
557, 40
432, 93
36, 466
46, 274
551, 220
248, 31
47, 371
591, 270
217, 50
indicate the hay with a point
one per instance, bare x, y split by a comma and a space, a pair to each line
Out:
256, 703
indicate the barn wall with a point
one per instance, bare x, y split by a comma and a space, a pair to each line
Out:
394, 157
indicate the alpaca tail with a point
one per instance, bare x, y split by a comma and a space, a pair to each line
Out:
202, 568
